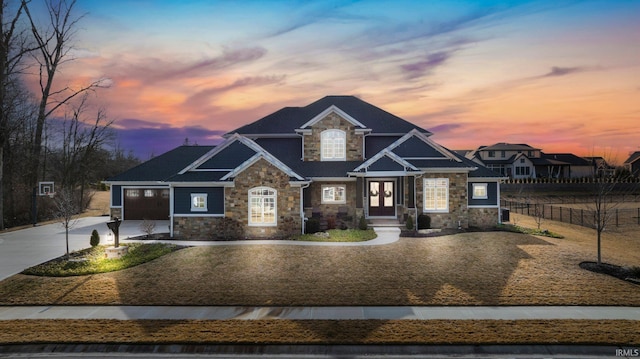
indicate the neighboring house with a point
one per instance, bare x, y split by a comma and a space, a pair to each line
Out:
563, 165
520, 161
633, 163
600, 167
338, 157
510, 160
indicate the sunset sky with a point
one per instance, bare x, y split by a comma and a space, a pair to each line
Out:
563, 76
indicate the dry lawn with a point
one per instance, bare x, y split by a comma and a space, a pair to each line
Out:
601, 332
492, 268
99, 205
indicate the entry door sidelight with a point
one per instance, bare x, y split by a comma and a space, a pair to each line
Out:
382, 199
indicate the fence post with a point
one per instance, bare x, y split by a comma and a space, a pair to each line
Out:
638, 215
528, 208
560, 214
570, 215
582, 217
552, 213
616, 217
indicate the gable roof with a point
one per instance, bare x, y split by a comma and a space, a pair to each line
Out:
163, 166
502, 146
386, 160
360, 113
568, 158
633, 157
230, 158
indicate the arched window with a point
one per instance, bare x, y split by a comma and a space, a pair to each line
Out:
263, 206
333, 145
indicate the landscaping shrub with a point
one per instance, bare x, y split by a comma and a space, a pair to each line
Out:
363, 225
148, 227
424, 221
95, 238
409, 223
313, 226
228, 229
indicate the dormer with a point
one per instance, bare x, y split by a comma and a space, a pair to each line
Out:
333, 135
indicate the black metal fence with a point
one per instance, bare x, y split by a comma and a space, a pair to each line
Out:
583, 217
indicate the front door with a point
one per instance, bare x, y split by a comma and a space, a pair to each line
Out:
382, 199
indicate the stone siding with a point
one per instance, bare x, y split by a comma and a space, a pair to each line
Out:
194, 228
312, 143
458, 213
483, 217
332, 209
263, 173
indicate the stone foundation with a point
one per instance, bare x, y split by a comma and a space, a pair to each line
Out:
194, 228
483, 217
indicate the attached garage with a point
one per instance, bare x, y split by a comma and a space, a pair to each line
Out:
146, 203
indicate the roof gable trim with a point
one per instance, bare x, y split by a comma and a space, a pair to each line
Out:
423, 137
269, 158
326, 112
207, 156
390, 155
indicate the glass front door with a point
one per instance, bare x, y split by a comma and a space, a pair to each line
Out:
382, 199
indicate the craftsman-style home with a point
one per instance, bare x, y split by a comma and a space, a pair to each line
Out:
339, 157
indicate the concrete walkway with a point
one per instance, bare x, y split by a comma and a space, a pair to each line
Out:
386, 235
299, 313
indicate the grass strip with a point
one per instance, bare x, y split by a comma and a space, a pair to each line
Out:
340, 235
593, 332
92, 260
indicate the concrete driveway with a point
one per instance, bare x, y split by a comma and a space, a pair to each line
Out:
27, 247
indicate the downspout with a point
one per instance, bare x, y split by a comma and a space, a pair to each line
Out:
499, 209
302, 217
171, 199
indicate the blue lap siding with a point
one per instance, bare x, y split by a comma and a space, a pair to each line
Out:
492, 195
182, 200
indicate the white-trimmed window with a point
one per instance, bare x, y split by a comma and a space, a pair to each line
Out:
334, 194
199, 202
479, 191
333, 145
436, 195
263, 206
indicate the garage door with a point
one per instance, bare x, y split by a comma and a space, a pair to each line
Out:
146, 203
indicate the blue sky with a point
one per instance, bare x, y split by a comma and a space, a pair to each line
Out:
560, 75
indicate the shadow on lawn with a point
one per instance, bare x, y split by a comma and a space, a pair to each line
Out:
463, 269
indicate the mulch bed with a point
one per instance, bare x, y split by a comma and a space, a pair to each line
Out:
624, 273
593, 332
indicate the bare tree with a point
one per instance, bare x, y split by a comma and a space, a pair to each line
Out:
13, 47
82, 138
603, 202
66, 211
53, 50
